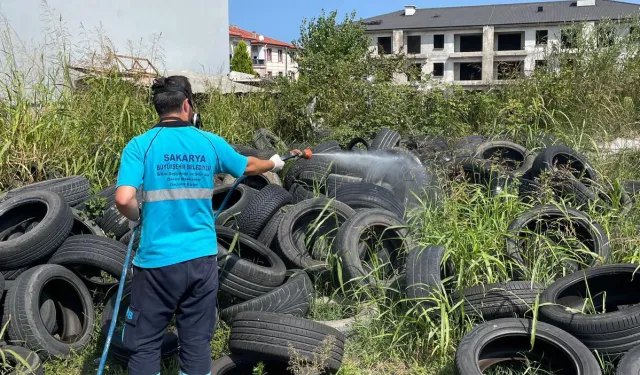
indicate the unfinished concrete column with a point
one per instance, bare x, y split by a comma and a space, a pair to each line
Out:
487, 53
398, 41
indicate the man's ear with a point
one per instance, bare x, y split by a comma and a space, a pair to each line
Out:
185, 106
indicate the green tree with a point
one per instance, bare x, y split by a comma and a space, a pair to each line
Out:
241, 61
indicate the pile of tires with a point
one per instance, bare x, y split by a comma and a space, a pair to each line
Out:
54, 261
338, 220
589, 311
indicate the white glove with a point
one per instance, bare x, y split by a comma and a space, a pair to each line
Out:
278, 163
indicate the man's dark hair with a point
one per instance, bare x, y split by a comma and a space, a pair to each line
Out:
170, 102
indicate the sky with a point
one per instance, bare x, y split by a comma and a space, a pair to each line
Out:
281, 19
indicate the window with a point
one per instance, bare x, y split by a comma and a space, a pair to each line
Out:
269, 75
540, 64
510, 41
438, 69
569, 38
471, 43
292, 76
279, 74
384, 45
414, 44
438, 41
280, 55
470, 71
606, 36
542, 37
509, 69
269, 54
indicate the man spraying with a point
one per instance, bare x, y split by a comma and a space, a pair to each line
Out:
175, 270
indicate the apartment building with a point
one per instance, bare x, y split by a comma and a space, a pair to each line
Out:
474, 46
270, 57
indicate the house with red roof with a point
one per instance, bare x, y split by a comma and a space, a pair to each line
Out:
271, 57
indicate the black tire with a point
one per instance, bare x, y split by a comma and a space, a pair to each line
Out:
72, 189
529, 189
300, 193
512, 157
320, 163
23, 306
261, 208
334, 181
500, 300
257, 271
630, 363
291, 298
467, 146
631, 187
87, 255
550, 158
539, 218
385, 139
257, 182
16, 356
269, 334
265, 139
368, 195
326, 147
314, 172
240, 364
239, 199
55, 224
360, 263
82, 225
248, 151
268, 235
357, 141
508, 340
127, 237
117, 350
1, 283
112, 221
13, 274
293, 225
613, 332
424, 275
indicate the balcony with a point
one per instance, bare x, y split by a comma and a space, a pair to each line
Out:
259, 62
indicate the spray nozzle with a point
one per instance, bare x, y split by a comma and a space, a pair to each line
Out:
304, 154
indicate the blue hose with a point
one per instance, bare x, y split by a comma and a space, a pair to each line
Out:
112, 326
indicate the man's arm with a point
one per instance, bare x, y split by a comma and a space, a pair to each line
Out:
127, 203
129, 178
257, 166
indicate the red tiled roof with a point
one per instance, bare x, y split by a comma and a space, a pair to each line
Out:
253, 38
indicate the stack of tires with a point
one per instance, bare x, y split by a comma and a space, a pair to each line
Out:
590, 311
53, 261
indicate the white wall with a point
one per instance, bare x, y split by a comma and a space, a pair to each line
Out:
195, 33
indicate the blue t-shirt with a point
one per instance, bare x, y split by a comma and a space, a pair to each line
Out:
175, 163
